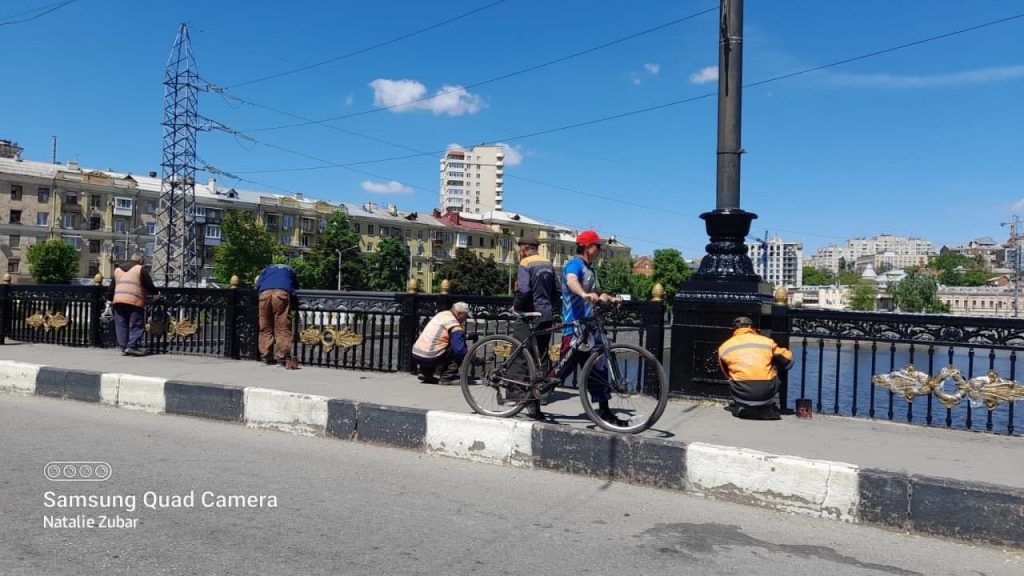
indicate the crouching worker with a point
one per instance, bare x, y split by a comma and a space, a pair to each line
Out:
442, 342
749, 361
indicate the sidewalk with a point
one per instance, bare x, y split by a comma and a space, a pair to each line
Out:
931, 480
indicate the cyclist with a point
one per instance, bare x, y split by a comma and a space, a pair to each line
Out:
536, 290
581, 293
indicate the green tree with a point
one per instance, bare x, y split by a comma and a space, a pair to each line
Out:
863, 297
959, 270
916, 293
53, 262
640, 287
670, 270
615, 275
468, 273
388, 267
817, 276
246, 248
322, 260
849, 278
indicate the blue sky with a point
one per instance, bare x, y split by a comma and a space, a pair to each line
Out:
921, 142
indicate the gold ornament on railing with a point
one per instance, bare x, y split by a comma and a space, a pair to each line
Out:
990, 390
330, 338
47, 320
182, 329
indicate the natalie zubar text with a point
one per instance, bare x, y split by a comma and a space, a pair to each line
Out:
157, 501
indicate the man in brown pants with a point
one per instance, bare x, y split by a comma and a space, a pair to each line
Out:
276, 285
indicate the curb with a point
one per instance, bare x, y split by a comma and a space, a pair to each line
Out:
944, 507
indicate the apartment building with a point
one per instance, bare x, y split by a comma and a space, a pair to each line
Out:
981, 301
882, 251
108, 216
472, 181
778, 262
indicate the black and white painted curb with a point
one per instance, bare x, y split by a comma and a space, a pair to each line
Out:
938, 506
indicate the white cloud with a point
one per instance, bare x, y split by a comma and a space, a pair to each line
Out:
409, 95
513, 154
705, 75
652, 69
1017, 206
349, 100
636, 80
893, 81
391, 187
454, 146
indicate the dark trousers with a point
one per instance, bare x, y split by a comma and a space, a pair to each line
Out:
521, 332
755, 400
573, 358
129, 323
427, 366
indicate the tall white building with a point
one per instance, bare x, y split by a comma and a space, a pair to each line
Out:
472, 180
778, 262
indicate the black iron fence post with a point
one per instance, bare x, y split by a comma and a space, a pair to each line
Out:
408, 326
653, 314
5, 308
97, 302
231, 350
780, 334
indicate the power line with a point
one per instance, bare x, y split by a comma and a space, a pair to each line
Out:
52, 8
367, 48
494, 79
667, 104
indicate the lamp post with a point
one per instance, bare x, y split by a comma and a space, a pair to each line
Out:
340, 252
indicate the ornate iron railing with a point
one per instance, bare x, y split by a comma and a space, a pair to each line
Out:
937, 370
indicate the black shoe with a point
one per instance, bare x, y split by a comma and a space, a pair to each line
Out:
429, 380
268, 361
608, 416
533, 410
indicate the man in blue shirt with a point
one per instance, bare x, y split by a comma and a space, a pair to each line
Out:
276, 286
580, 294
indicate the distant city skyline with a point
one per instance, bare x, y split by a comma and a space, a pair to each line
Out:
920, 141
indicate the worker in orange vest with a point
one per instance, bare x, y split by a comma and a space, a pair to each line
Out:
749, 361
128, 291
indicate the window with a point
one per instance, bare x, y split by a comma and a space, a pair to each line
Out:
14, 240
397, 233
13, 264
42, 218
151, 228
369, 246
120, 225
94, 268
212, 231
286, 239
94, 246
69, 220
408, 234
71, 198
307, 224
123, 203
419, 235
356, 227
481, 243
151, 207
287, 222
369, 230
43, 194
383, 232
305, 241
15, 217
15, 191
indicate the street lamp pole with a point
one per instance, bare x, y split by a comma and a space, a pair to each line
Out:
340, 252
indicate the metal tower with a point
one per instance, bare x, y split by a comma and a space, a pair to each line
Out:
177, 259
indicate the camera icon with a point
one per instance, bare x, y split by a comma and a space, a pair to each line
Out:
77, 471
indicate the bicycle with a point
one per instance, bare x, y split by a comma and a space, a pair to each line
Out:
494, 364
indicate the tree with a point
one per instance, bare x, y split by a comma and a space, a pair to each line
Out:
53, 262
849, 278
640, 287
322, 261
670, 270
388, 267
468, 273
817, 276
916, 293
246, 248
615, 275
863, 297
959, 270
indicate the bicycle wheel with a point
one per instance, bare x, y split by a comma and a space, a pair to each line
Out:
492, 368
638, 397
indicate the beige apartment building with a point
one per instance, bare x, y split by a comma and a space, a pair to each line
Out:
108, 216
882, 251
472, 181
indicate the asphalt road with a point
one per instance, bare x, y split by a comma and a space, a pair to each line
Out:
346, 508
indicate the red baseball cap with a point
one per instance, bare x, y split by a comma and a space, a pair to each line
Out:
588, 237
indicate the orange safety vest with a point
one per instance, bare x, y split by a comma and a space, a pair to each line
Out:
434, 339
128, 287
748, 356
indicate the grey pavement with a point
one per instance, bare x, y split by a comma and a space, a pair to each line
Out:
963, 455
348, 508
